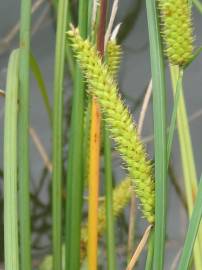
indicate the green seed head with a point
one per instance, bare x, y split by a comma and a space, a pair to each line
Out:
113, 62
177, 30
113, 57
121, 196
118, 120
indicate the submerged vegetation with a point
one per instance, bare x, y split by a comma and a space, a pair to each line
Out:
82, 127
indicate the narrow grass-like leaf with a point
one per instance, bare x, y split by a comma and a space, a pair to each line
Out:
150, 252
188, 163
58, 133
41, 83
11, 245
75, 160
174, 115
23, 136
192, 231
160, 141
110, 239
68, 52
90, 13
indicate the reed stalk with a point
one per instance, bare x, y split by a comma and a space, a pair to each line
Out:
23, 136
188, 163
58, 133
110, 232
11, 243
193, 229
160, 140
75, 176
177, 32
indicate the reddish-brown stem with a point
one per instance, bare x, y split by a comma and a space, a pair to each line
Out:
101, 28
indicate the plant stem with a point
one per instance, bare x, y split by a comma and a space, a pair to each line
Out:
58, 132
11, 245
160, 141
68, 51
174, 115
110, 239
75, 160
23, 136
41, 84
192, 231
94, 163
94, 166
150, 252
188, 163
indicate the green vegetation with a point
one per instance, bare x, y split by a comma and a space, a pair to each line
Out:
78, 214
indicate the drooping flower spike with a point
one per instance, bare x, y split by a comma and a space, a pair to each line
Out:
113, 52
118, 120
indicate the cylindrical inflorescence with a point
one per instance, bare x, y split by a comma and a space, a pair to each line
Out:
113, 57
118, 120
177, 30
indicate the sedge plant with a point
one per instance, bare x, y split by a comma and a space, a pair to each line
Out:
179, 42
121, 196
118, 119
99, 115
160, 138
11, 227
75, 159
23, 136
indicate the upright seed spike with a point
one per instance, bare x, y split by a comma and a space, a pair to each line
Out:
177, 30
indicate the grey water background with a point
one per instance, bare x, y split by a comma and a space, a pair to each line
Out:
133, 79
